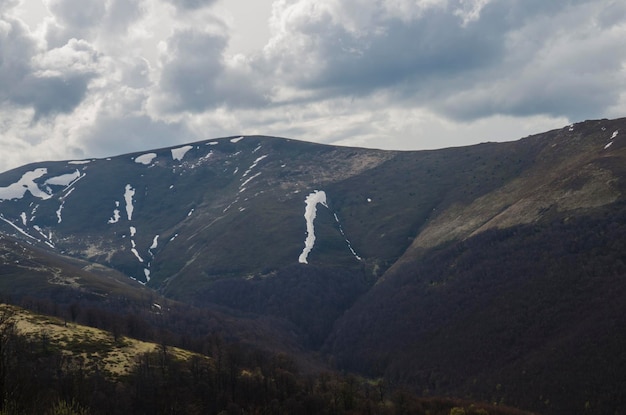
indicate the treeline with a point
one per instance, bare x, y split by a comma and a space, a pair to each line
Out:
155, 319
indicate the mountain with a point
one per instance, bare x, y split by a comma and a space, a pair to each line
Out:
494, 271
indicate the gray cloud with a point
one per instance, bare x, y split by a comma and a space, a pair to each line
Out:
118, 135
196, 78
52, 95
564, 64
90, 19
121, 14
74, 14
433, 47
52, 83
514, 57
191, 4
17, 47
7, 5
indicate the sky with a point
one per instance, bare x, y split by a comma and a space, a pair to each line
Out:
97, 78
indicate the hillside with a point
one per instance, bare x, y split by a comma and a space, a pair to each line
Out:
492, 271
50, 366
93, 349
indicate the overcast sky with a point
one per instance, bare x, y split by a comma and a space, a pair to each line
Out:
96, 78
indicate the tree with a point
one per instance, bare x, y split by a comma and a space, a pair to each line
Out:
74, 309
7, 336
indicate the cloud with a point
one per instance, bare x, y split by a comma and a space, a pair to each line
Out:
324, 45
49, 81
17, 47
548, 69
8, 5
111, 135
196, 77
465, 59
74, 14
90, 20
191, 4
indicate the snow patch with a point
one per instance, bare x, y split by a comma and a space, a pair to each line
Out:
128, 197
23, 216
179, 153
68, 193
310, 212
242, 187
27, 182
58, 212
145, 159
116, 214
236, 140
254, 164
64, 179
190, 212
155, 242
47, 238
146, 272
20, 230
133, 232
346, 238
612, 138
79, 162
134, 251
212, 143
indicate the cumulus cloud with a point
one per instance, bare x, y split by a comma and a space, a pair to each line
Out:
196, 76
324, 45
90, 20
52, 81
550, 70
467, 58
17, 47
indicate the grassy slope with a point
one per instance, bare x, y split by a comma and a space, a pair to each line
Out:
90, 347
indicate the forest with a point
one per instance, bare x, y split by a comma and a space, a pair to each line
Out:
37, 377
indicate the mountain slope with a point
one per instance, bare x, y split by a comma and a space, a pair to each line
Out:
535, 309
138, 212
191, 211
450, 271
515, 296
